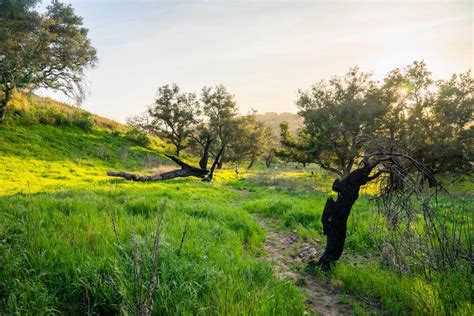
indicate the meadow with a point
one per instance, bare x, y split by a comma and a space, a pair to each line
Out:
74, 241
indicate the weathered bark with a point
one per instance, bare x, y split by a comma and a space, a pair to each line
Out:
336, 213
205, 154
185, 171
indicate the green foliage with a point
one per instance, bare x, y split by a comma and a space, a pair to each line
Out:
138, 136
173, 116
431, 119
49, 50
249, 141
336, 113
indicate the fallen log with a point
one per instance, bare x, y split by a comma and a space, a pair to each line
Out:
185, 171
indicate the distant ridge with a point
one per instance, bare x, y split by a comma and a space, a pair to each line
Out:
273, 120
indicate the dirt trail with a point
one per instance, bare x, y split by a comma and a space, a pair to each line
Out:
289, 256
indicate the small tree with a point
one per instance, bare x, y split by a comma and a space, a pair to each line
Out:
291, 150
220, 108
173, 116
49, 50
250, 140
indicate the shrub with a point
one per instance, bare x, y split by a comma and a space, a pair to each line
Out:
138, 136
83, 119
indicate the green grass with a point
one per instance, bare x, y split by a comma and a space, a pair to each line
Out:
58, 246
59, 254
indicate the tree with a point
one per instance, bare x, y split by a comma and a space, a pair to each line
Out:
335, 114
432, 118
360, 131
220, 108
291, 150
49, 50
250, 139
173, 116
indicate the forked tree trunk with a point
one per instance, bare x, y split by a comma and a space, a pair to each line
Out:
269, 159
214, 164
220, 162
185, 171
336, 213
205, 154
252, 161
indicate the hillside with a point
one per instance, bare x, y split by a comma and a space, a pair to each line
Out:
48, 144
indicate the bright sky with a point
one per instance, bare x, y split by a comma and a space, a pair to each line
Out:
262, 51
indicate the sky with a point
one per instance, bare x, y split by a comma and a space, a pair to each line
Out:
262, 51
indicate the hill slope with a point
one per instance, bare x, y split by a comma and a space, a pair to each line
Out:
59, 152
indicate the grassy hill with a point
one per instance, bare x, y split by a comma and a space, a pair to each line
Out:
74, 241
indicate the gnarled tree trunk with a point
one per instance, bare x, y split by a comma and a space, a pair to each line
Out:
214, 164
205, 154
185, 171
336, 213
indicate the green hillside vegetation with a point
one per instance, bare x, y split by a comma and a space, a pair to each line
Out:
73, 241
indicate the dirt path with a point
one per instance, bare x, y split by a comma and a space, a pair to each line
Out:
289, 256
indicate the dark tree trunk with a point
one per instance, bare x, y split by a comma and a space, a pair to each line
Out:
4, 102
252, 161
336, 213
214, 164
205, 154
221, 160
3, 113
269, 159
185, 171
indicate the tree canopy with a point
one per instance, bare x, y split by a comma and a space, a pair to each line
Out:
431, 119
174, 116
48, 50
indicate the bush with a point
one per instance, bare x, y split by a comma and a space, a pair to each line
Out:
138, 136
83, 119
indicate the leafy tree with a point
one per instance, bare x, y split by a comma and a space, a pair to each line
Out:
251, 139
336, 113
173, 116
49, 50
221, 110
291, 150
433, 119
361, 130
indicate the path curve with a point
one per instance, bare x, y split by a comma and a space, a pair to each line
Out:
289, 257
